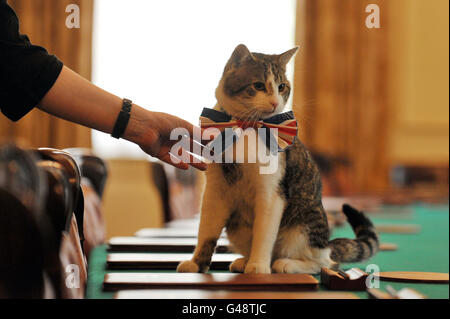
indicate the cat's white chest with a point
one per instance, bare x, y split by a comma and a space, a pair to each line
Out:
242, 182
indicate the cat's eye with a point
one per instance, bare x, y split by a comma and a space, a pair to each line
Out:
281, 87
259, 86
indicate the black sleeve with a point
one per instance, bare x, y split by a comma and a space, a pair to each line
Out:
27, 72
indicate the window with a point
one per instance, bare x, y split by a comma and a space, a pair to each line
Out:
169, 55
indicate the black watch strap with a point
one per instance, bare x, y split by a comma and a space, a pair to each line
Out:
122, 119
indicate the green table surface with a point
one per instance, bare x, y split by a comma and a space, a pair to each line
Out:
427, 250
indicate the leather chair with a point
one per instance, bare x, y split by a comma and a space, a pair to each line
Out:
94, 223
40, 246
180, 191
67, 251
94, 173
25, 230
74, 177
65, 206
92, 167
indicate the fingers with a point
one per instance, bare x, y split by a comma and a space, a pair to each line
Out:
192, 158
174, 161
189, 151
201, 166
198, 142
182, 160
208, 135
195, 132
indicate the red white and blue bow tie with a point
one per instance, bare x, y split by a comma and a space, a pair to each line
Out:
285, 123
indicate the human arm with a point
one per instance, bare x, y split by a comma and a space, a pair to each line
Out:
75, 99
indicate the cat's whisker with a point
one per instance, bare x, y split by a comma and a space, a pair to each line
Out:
252, 117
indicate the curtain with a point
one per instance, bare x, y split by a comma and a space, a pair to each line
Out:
44, 21
340, 93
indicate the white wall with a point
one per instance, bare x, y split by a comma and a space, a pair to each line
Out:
169, 55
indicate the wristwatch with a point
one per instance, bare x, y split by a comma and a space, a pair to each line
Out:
122, 119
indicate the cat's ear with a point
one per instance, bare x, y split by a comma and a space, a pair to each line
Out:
285, 57
240, 54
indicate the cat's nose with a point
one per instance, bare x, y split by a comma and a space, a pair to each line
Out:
274, 105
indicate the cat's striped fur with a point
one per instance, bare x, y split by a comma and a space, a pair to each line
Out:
276, 221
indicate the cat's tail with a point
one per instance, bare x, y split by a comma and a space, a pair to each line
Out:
354, 250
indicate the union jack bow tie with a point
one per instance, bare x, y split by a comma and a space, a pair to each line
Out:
284, 122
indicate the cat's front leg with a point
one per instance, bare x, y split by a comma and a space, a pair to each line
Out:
268, 213
214, 214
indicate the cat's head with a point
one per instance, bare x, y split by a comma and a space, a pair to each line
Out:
254, 85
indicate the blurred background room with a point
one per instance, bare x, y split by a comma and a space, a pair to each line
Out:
372, 103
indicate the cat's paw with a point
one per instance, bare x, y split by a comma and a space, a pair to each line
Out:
238, 265
257, 268
285, 266
187, 266
294, 266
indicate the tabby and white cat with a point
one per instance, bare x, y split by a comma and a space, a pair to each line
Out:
276, 221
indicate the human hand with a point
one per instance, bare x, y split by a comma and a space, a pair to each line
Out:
151, 131
75, 99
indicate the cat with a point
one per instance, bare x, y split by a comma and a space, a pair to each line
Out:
275, 221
